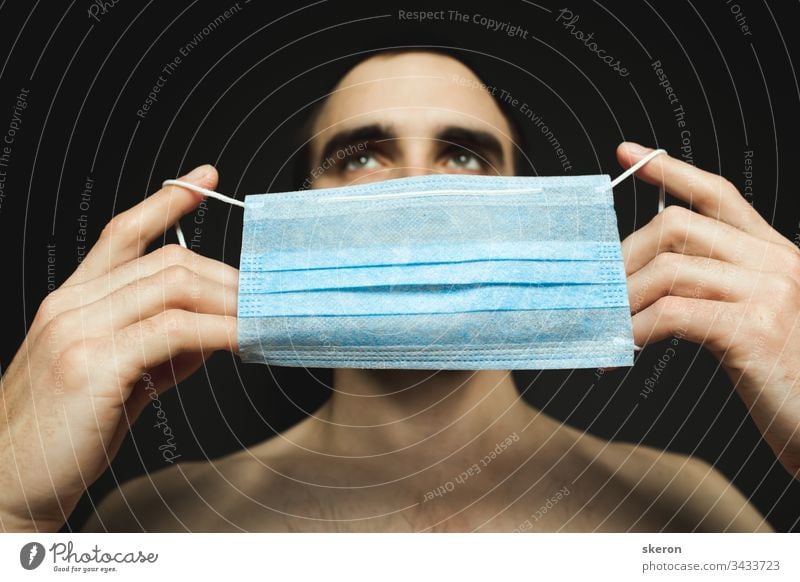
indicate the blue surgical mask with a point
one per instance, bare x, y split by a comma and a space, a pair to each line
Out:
436, 272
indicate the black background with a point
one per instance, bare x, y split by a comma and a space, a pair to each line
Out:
238, 99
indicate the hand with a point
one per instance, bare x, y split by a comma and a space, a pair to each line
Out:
123, 328
721, 276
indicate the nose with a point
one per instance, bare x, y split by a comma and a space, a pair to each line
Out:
403, 169
416, 158
413, 157
409, 171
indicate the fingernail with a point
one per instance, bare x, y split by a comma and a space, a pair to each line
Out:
198, 173
636, 149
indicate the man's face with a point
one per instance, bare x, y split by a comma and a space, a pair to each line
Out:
408, 114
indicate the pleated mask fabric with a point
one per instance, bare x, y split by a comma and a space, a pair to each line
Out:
436, 272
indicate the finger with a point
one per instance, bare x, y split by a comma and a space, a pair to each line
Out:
151, 342
688, 276
703, 321
127, 235
173, 288
159, 260
164, 261
679, 230
109, 367
709, 194
148, 389
171, 255
161, 378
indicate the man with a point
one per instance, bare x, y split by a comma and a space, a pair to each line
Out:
397, 450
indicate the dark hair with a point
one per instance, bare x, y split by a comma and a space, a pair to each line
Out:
302, 163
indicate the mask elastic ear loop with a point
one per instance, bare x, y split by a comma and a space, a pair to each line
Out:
203, 191
635, 168
661, 193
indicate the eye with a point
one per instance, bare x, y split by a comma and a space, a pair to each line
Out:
464, 160
361, 162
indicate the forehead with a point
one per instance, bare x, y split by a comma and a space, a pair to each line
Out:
416, 93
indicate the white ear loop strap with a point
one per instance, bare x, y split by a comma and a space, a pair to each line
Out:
203, 191
635, 168
661, 194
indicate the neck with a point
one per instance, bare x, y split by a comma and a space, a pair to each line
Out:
421, 415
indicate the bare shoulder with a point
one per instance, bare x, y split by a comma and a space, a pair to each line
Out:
667, 491
187, 496
242, 491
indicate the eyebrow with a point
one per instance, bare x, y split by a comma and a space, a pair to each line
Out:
473, 139
453, 134
365, 133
